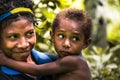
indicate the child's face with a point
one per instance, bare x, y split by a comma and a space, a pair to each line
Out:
68, 39
18, 39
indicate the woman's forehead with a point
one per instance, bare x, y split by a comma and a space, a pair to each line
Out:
18, 26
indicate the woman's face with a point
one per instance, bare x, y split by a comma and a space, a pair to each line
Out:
18, 39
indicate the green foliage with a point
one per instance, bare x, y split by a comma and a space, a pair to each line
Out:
113, 32
102, 62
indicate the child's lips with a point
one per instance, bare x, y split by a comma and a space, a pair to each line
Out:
64, 53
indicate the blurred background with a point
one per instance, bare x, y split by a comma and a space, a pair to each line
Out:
103, 55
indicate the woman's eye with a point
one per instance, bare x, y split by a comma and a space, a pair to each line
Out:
13, 37
61, 36
29, 34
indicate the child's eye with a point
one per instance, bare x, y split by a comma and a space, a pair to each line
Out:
75, 39
61, 36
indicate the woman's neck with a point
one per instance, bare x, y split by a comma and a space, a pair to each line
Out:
30, 60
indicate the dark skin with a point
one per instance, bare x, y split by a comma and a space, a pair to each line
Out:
68, 41
76, 67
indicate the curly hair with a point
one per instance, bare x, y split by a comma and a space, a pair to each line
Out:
80, 17
7, 5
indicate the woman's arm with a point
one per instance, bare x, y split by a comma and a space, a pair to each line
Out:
59, 66
54, 57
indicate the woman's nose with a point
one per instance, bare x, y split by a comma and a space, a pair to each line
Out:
23, 43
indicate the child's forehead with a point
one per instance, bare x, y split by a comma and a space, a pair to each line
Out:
70, 23
69, 26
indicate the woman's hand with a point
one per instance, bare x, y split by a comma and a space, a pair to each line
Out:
3, 58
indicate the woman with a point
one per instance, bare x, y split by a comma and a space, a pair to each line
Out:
17, 38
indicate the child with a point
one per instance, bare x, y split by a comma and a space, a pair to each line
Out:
70, 34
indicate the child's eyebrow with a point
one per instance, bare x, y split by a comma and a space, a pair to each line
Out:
76, 32
61, 31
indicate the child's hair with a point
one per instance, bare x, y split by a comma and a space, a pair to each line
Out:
82, 19
8, 5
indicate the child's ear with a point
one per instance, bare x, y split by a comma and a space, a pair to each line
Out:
87, 42
51, 35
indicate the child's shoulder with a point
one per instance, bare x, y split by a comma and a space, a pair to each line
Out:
72, 60
75, 58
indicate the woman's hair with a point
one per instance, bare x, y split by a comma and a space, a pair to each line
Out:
8, 5
81, 18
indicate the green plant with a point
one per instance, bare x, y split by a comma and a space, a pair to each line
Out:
101, 62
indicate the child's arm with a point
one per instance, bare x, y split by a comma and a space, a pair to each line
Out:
59, 66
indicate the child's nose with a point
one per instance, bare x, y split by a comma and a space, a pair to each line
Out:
66, 44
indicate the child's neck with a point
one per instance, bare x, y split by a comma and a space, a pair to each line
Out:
81, 56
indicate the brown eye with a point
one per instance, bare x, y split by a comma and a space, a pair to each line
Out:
12, 37
61, 36
29, 34
75, 39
